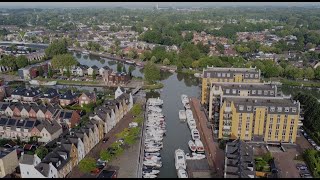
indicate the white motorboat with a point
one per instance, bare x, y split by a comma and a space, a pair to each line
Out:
180, 160
182, 115
86, 52
156, 158
189, 114
192, 124
184, 99
155, 101
192, 146
187, 106
152, 163
199, 144
195, 134
153, 145
149, 176
152, 150
182, 173
152, 154
151, 171
155, 109
155, 114
195, 156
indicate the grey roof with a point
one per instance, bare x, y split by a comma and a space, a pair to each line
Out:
239, 156
52, 127
43, 168
5, 152
27, 159
213, 72
272, 103
50, 93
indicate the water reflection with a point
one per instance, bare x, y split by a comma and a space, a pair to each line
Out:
152, 94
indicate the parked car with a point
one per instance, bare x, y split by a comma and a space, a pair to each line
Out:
303, 168
105, 139
317, 148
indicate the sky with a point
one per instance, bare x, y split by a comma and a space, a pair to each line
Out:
146, 4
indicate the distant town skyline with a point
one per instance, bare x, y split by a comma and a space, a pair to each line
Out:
145, 4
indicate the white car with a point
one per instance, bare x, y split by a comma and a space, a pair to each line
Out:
317, 148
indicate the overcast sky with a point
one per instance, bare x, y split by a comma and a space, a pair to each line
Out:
146, 4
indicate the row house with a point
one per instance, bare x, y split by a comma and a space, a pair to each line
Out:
71, 148
67, 118
68, 98
28, 95
116, 78
111, 111
26, 110
50, 95
87, 98
24, 129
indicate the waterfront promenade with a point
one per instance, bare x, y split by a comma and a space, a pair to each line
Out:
214, 154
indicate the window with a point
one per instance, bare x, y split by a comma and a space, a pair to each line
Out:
249, 108
84, 98
246, 75
270, 126
228, 74
278, 119
265, 93
271, 120
251, 75
277, 126
28, 172
272, 108
256, 75
292, 121
228, 104
227, 91
284, 127
291, 128
253, 91
271, 92
286, 109
259, 92
223, 74
208, 74
219, 74
294, 109
279, 109
241, 108
234, 91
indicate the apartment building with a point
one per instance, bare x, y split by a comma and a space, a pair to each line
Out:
215, 74
271, 119
239, 160
219, 89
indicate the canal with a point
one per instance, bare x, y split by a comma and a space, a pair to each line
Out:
175, 84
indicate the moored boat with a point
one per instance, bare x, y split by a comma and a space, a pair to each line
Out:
199, 145
192, 146
182, 173
180, 160
195, 134
182, 115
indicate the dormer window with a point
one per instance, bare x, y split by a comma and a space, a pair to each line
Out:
251, 75
286, 109
265, 92
227, 91
259, 92
223, 74
294, 109
246, 75
234, 91
279, 109
253, 91
272, 109
241, 108
228, 74
58, 163
219, 74
249, 108
256, 75
271, 93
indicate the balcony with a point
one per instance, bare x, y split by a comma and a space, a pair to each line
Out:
227, 109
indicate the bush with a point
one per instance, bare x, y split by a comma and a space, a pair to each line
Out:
136, 109
312, 158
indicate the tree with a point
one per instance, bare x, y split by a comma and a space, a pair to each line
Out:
131, 68
87, 164
21, 61
50, 72
63, 61
94, 75
220, 48
151, 72
105, 155
119, 67
41, 152
317, 73
41, 71
136, 109
57, 47
68, 73
77, 44
309, 73
153, 59
166, 61
124, 69
142, 57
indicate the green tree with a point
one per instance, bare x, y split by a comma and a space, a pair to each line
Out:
136, 110
131, 68
317, 73
41, 71
124, 69
22, 61
94, 75
57, 47
87, 164
50, 72
309, 73
166, 61
151, 72
119, 67
68, 73
153, 59
41, 152
63, 61
142, 57
77, 44
105, 155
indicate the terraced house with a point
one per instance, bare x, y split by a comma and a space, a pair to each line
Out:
67, 151
219, 89
215, 74
271, 119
